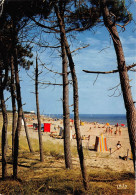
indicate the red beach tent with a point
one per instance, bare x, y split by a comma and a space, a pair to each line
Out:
47, 127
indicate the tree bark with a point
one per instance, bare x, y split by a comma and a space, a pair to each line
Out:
38, 113
13, 96
4, 135
124, 79
76, 116
66, 119
3, 82
19, 121
75, 99
27, 134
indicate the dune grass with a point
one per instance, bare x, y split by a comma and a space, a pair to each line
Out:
62, 181
49, 148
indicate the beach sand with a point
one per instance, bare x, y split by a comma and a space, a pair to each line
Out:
93, 159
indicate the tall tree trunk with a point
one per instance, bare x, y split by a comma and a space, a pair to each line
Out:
3, 82
75, 99
27, 134
19, 121
76, 116
38, 113
124, 79
4, 135
66, 119
13, 96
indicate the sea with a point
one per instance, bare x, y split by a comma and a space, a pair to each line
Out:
100, 118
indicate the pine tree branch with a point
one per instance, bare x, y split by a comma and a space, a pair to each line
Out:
52, 70
44, 26
80, 48
50, 83
108, 72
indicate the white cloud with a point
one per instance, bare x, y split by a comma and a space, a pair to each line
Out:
128, 40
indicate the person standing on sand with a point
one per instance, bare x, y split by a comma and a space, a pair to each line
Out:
106, 129
117, 125
119, 130
111, 130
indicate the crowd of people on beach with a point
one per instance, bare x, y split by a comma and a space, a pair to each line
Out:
110, 130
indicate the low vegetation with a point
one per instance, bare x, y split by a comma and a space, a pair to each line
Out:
51, 177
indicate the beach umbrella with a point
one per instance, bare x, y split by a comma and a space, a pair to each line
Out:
123, 125
107, 124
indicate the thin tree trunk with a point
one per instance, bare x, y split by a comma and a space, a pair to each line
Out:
27, 134
18, 129
4, 135
66, 119
124, 79
13, 96
75, 99
3, 82
38, 113
76, 116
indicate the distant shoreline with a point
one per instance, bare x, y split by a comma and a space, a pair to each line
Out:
100, 118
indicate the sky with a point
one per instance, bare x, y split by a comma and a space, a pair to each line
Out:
95, 94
